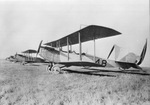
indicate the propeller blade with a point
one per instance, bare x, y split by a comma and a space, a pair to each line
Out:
39, 47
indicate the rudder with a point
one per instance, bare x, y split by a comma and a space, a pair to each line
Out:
142, 56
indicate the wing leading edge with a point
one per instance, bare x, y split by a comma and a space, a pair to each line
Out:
88, 33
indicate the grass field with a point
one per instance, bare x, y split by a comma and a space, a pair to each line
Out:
33, 85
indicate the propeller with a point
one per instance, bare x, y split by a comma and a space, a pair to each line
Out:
39, 47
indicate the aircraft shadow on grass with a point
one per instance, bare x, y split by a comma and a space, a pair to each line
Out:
100, 72
136, 72
88, 73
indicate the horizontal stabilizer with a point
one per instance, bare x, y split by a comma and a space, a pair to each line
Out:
126, 65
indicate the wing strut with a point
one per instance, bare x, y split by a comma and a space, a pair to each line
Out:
94, 50
111, 52
68, 48
59, 45
80, 46
71, 48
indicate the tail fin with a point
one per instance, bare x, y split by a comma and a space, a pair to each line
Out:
143, 53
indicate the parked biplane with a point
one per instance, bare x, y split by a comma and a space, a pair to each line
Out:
26, 57
58, 58
11, 58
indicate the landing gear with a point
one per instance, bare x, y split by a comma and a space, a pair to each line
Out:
54, 68
49, 67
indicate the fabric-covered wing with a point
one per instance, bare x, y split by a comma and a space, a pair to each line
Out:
30, 51
88, 33
83, 63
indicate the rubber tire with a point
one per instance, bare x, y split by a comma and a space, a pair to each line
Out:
56, 69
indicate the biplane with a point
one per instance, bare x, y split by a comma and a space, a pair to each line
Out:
11, 58
26, 57
57, 58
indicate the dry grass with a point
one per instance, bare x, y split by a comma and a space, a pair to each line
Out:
33, 85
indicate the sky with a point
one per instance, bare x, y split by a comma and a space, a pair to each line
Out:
24, 23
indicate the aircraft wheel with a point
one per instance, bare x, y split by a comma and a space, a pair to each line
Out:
48, 68
23, 63
56, 69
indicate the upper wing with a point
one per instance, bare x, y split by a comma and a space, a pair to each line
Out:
88, 33
30, 51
